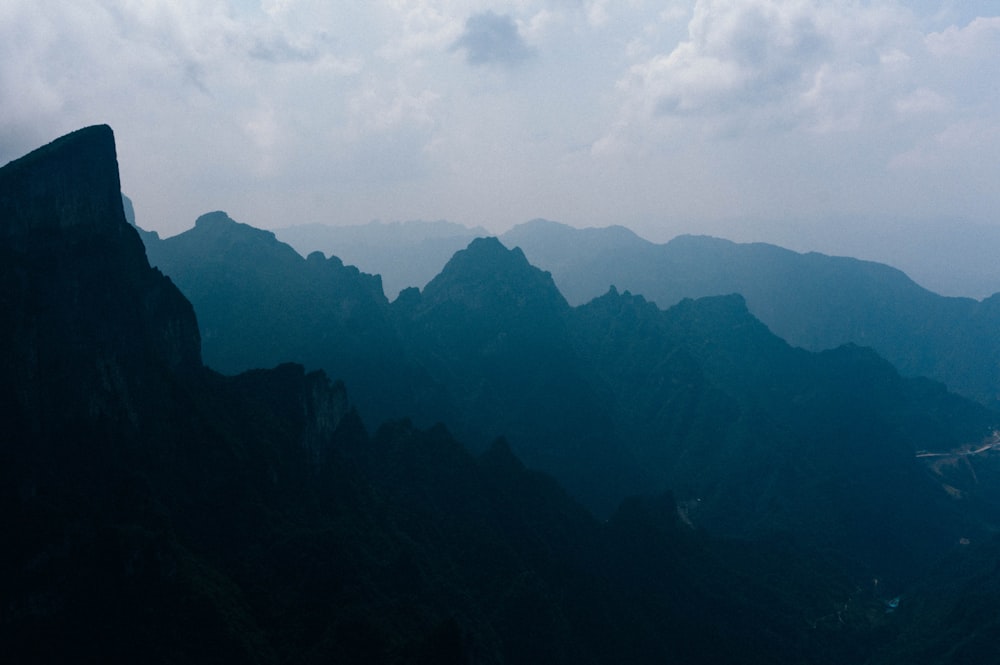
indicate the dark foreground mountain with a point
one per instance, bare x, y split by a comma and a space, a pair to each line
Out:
814, 301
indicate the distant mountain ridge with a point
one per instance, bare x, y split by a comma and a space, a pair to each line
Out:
404, 253
618, 396
811, 300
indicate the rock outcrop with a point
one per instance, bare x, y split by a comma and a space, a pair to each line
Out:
64, 242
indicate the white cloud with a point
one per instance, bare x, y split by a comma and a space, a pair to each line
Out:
374, 109
627, 111
749, 64
597, 12
923, 100
979, 39
958, 146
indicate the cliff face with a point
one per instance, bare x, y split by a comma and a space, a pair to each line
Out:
74, 277
71, 183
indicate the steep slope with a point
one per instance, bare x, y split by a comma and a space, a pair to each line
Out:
259, 303
492, 330
814, 301
64, 236
577, 258
755, 436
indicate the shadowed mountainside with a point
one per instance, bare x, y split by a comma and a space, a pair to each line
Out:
618, 396
811, 300
260, 303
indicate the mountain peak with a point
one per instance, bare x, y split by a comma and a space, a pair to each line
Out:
214, 219
70, 183
65, 238
486, 270
487, 257
216, 234
218, 223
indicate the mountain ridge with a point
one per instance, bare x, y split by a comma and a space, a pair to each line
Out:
619, 396
186, 516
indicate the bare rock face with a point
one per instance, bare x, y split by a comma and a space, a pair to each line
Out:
75, 277
69, 184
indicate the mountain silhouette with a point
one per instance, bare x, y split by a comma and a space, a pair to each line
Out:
618, 396
404, 253
260, 303
811, 300
157, 511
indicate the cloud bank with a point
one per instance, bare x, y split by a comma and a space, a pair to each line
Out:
684, 116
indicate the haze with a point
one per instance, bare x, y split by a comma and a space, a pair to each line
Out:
748, 119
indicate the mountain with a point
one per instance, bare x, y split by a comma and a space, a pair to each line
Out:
260, 303
493, 331
576, 257
616, 397
405, 254
952, 257
157, 511
811, 300
755, 435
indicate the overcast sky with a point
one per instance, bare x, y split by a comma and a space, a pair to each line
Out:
710, 116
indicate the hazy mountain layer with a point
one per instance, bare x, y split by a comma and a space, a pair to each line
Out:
618, 396
811, 300
260, 303
405, 254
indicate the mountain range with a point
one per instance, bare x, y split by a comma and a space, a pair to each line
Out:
753, 436
404, 254
811, 300
159, 511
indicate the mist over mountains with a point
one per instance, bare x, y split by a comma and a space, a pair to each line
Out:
403, 254
618, 395
728, 497
811, 300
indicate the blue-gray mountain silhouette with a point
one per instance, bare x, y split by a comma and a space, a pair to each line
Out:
156, 511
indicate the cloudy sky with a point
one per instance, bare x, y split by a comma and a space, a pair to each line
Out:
717, 116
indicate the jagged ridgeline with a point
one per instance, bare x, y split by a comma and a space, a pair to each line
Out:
811, 300
157, 511
614, 396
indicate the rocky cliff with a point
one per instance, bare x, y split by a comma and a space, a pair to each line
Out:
75, 277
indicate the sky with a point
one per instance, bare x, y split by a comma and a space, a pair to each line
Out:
727, 117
